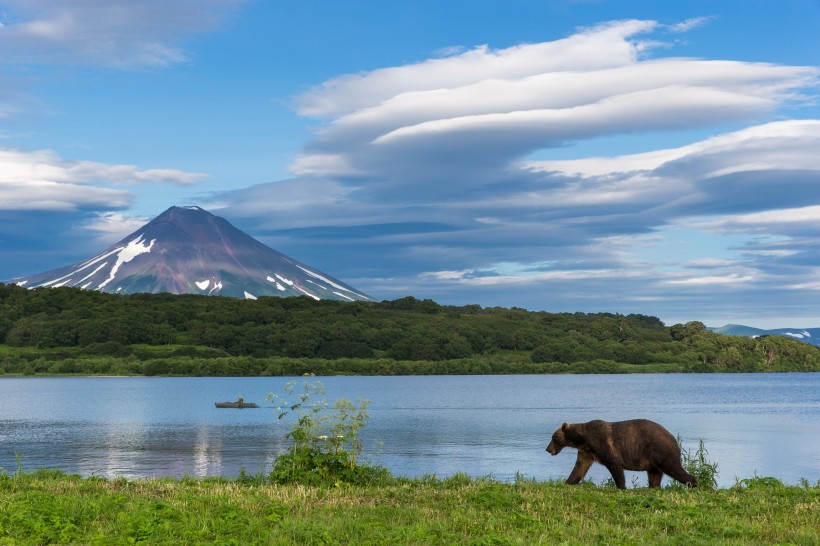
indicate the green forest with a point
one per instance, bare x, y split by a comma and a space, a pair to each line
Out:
73, 331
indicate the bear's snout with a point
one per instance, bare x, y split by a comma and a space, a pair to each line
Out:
552, 450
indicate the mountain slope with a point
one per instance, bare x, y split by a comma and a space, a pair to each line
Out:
187, 250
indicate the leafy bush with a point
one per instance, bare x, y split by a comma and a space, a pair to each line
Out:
696, 464
762, 482
325, 444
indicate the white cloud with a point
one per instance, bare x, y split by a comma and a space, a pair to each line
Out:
650, 109
595, 49
770, 166
489, 276
689, 24
768, 221
784, 145
713, 280
322, 165
62, 197
129, 174
41, 180
119, 33
113, 226
709, 263
813, 284
21, 166
471, 117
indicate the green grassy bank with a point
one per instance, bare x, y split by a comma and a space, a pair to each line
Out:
48, 507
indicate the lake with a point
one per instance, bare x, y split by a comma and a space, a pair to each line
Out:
751, 424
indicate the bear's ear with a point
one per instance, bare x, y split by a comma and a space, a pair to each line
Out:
565, 427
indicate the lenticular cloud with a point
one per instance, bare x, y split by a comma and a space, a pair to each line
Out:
603, 47
504, 104
445, 148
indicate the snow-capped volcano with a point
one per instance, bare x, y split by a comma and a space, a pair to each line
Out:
187, 250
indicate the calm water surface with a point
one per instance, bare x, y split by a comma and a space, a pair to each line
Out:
751, 424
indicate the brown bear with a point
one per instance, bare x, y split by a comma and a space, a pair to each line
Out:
622, 445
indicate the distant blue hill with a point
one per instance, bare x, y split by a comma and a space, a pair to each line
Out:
808, 335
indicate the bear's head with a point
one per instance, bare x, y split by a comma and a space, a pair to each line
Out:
561, 438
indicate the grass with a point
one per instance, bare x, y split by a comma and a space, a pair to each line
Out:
48, 507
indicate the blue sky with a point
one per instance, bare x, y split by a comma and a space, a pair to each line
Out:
620, 156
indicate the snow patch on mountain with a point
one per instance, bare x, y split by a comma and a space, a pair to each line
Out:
274, 281
317, 284
91, 274
203, 285
284, 280
249, 296
217, 287
131, 251
92, 261
331, 283
300, 289
799, 335
49, 283
328, 281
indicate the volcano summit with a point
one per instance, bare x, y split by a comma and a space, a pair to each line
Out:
188, 250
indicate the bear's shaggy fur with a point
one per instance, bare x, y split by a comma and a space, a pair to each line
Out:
638, 444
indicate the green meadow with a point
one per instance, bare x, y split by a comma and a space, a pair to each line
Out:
48, 507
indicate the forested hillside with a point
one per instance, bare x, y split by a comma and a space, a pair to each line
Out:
67, 330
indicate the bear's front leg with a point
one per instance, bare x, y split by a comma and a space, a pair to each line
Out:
582, 464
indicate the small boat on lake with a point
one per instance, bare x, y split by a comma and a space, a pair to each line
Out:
239, 404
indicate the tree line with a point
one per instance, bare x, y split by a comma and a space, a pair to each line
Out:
67, 330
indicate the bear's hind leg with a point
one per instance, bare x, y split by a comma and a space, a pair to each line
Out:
678, 473
617, 475
655, 477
